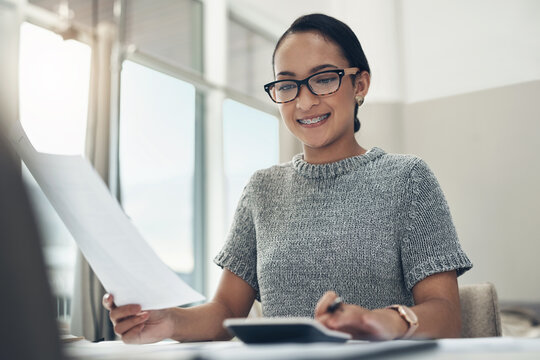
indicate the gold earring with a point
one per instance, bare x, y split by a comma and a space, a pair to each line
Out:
359, 100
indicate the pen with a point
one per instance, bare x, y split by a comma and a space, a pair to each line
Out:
336, 304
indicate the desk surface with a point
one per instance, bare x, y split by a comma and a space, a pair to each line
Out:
482, 348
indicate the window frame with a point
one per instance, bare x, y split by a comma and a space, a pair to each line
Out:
202, 172
120, 52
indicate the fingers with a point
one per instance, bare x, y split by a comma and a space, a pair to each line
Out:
108, 302
356, 320
325, 319
336, 319
131, 324
342, 319
323, 304
133, 336
127, 319
118, 313
353, 319
123, 312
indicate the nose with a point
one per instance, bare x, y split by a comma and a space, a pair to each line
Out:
306, 99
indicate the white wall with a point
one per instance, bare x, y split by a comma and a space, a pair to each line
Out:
425, 49
483, 148
471, 110
457, 46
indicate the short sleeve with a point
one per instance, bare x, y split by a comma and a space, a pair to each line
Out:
429, 244
239, 254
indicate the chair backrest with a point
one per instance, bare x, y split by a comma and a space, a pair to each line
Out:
479, 311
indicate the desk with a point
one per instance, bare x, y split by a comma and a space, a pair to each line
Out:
480, 349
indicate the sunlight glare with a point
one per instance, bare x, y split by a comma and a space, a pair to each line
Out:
54, 82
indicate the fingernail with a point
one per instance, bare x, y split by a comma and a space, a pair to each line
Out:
106, 297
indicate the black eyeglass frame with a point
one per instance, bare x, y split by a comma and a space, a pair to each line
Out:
341, 73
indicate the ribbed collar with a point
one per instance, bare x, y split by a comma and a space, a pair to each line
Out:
333, 169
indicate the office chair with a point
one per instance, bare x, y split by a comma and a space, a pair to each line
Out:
480, 315
28, 329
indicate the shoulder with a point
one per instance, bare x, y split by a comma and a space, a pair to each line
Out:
416, 175
406, 169
272, 173
265, 180
404, 164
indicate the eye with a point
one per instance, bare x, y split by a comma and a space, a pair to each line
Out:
286, 86
324, 80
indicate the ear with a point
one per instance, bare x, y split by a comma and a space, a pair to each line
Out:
361, 84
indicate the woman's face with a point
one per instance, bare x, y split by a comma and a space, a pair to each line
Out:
299, 56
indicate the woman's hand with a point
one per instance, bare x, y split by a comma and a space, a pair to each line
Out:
361, 323
139, 327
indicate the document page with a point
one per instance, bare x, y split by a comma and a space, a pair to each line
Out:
126, 265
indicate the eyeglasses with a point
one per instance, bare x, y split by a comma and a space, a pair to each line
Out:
322, 83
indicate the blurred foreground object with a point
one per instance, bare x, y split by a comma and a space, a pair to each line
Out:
29, 331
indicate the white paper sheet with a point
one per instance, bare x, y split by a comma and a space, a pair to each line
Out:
126, 265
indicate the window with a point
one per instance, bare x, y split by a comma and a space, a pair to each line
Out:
54, 80
81, 12
250, 142
249, 60
169, 30
158, 137
156, 156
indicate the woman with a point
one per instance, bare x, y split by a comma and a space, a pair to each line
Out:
338, 219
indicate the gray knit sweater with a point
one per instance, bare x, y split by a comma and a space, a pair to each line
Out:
368, 227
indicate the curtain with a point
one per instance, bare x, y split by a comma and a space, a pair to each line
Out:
88, 317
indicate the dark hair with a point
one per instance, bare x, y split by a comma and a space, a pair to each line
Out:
336, 31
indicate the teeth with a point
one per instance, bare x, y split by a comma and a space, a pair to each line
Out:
313, 120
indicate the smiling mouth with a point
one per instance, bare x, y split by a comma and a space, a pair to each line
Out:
314, 120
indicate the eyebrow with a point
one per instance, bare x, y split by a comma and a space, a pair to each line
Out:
313, 70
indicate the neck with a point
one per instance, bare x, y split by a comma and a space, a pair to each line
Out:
332, 153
